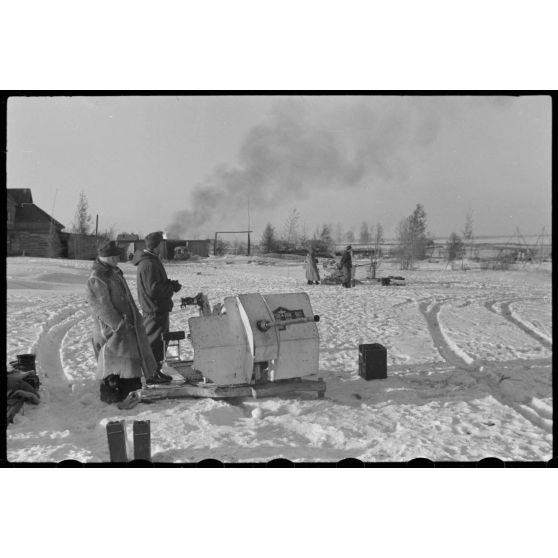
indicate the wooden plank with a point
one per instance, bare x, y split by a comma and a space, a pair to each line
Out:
267, 389
270, 389
200, 390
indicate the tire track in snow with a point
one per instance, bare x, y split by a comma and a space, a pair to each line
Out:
451, 353
61, 410
532, 415
519, 393
49, 345
512, 317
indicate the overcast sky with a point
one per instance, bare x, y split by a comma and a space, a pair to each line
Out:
193, 165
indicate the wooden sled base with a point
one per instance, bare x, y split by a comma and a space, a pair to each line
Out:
263, 389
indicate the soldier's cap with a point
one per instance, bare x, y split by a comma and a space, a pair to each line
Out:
110, 248
349, 247
152, 240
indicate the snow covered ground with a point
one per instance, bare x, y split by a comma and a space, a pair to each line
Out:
469, 368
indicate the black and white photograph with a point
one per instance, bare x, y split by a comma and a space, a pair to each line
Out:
256, 277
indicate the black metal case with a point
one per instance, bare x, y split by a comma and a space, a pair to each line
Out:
372, 361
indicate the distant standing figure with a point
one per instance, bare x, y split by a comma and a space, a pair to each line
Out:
311, 264
119, 338
346, 265
155, 292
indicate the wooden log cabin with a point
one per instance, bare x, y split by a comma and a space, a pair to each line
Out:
29, 228
30, 231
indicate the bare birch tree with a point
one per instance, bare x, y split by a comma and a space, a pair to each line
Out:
468, 232
290, 228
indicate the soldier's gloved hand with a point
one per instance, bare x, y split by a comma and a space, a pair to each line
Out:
176, 286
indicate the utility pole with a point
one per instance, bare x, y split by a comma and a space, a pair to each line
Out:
248, 226
52, 212
96, 230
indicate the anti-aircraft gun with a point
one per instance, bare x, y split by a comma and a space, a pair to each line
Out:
251, 345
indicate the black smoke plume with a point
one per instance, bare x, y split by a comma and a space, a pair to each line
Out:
309, 144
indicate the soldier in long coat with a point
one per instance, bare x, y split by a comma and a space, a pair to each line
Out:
155, 292
119, 337
346, 265
311, 265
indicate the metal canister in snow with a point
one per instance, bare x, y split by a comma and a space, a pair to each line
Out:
26, 362
372, 361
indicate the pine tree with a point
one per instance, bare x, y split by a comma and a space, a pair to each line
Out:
413, 241
468, 228
323, 242
416, 233
364, 236
455, 247
82, 218
325, 234
268, 242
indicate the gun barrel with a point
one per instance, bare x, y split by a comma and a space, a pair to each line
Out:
265, 325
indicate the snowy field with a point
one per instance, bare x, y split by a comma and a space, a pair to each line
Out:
469, 368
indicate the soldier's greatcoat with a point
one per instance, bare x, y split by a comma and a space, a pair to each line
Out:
312, 273
119, 337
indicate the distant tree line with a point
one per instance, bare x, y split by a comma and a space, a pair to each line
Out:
413, 241
321, 241
292, 237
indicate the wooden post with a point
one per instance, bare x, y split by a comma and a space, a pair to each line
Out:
215, 245
96, 230
248, 243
